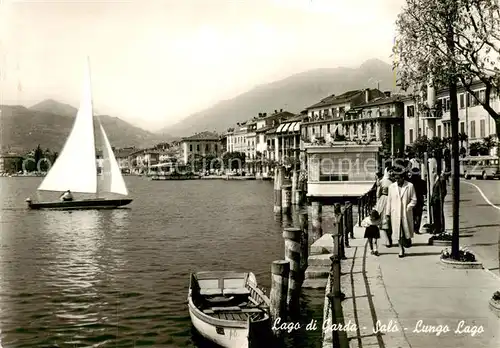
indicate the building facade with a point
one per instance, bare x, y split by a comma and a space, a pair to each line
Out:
10, 162
380, 120
287, 140
325, 117
201, 144
429, 115
340, 173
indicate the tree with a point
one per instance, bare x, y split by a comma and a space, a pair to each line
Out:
427, 54
489, 143
38, 155
476, 42
234, 160
462, 137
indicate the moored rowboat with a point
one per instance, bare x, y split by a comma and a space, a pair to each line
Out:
223, 306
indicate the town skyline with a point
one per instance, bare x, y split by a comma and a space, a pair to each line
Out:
249, 48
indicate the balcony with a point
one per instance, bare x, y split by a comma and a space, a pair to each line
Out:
432, 114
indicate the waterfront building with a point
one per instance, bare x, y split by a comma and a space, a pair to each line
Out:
142, 160
236, 138
342, 137
10, 162
340, 172
432, 116
379, 120
256, 139
251, 146
287, 149
123, 158
201, 144
325, 117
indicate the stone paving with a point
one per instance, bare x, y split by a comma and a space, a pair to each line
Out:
412, 296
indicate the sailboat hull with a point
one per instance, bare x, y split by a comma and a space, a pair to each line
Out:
81, 204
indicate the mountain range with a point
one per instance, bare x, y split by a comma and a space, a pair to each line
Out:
292, 94
49, 123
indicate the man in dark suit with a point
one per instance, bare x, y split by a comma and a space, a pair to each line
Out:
420, 191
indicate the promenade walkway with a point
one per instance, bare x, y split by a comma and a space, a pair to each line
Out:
411, 296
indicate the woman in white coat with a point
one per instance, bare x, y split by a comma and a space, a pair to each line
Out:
380, 206
399, 209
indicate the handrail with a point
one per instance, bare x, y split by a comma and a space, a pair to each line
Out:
335, 295
366, 203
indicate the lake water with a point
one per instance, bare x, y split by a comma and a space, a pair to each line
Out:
119, 278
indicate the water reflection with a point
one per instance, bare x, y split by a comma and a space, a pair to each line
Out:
119, 278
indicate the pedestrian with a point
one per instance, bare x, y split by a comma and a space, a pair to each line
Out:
380, 206
372, 230
420, 191
437, 204
400, 203
447, 164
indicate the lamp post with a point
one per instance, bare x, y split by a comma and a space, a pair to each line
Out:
392, 143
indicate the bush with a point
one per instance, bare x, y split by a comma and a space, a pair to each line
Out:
464, 255
442, 236
496, 296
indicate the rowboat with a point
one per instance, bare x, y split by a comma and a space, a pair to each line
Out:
76, 170
226, 306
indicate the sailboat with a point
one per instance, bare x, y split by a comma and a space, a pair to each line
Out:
76, 169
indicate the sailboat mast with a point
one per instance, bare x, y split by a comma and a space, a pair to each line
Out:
89, 76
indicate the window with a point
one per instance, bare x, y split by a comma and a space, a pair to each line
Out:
341, 111
191, 148
198, 147
215, 147
328, 128
439, 131
462, 101
472, 129
447, 104
473, 101
482, 95
207, 148
462, 127
482, 128
411, 136
333, 170
410, 111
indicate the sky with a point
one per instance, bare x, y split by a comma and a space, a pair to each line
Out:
154, 62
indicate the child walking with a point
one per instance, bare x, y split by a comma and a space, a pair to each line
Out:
372, 230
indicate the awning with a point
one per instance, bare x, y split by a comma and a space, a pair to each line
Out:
280, 128
285, 127
296, 127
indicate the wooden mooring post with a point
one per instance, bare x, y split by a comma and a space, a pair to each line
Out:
335, 295
304, 239
316, 211
293, 251
280, 272
295, 188
286, 196
278, 182
259, 333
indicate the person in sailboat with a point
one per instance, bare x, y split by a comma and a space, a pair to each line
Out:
67, 196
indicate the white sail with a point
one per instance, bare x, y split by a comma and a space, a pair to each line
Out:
111, 178
75, 168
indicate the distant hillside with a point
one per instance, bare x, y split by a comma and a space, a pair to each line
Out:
293, 94
54, 107
24, 128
